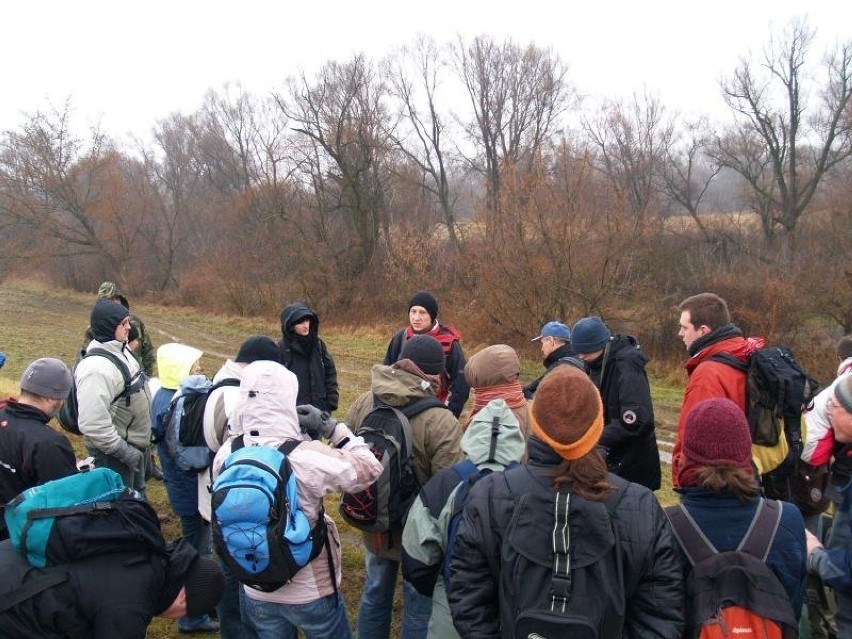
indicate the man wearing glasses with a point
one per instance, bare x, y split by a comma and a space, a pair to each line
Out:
113, 398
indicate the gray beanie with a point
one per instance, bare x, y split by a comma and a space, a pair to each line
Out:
47, 377
843, 392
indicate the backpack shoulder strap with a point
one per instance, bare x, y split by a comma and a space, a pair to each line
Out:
31, 588
228, 381
692, 539
730, 360
288, 447
420, 405
762, 530
237, 443
465, 469
119, 364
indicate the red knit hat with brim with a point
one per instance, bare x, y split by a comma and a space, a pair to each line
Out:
567, 413
716, 433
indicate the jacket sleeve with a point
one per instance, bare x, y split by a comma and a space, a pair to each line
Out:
834, 566
394, 348
422, 548
702, 384
146, 350
655, 594
634, 413
459, 389
332, 393
474, 588
53, 459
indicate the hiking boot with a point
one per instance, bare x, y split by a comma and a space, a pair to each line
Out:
152, 470
197, 625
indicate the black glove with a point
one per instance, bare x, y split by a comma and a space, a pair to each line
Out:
315, 422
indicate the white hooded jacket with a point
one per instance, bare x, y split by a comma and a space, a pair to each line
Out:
265, 415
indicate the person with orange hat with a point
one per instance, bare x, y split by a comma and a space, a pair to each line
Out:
515, 534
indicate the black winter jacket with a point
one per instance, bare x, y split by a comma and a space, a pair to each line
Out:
625, 571
562, 355
31, 453
105, 597
628, 436
308, 359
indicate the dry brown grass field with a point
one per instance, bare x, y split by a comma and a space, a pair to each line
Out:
38, 322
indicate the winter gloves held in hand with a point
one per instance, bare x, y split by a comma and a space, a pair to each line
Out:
315, 422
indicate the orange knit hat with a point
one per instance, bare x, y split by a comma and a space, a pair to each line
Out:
567, 413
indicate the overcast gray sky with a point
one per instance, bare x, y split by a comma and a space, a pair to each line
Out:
127, 63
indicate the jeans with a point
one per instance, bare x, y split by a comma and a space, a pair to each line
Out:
840, 537
321, 619
197, 532
231, 624
376, 608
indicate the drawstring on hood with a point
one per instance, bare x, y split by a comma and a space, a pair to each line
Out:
265, 413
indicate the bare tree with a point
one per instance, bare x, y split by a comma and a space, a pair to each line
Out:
517, 95
414, 81
687, 173
343, 121
782, 144
62, 187
631, 143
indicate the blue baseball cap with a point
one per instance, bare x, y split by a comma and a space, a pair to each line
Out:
554, 329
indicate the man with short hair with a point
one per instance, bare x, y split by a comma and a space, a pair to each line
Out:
555, 341
32, 453
114, 421
423, 320
706, 330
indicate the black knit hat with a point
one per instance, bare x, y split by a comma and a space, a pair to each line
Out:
105, 318
426, 352
255, 348
204, 585
427, 301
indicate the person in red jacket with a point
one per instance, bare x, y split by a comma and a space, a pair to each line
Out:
706, 330
423, 320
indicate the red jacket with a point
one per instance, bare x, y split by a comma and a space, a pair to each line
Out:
713, 379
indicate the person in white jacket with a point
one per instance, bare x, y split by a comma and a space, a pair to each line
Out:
114, 421
820, 446
265, 415
218, 415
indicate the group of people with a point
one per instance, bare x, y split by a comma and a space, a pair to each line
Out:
535, 510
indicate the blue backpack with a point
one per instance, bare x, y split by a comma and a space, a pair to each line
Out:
184, 422
258, 528
80, 516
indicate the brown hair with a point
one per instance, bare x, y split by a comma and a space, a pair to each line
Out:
737, 480
585, 476
706, 309
844, 347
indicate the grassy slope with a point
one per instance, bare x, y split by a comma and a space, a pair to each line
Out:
37, 323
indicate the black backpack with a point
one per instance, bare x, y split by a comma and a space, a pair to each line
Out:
734, 593
562, 589
67, 415
383, 505
777, 391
